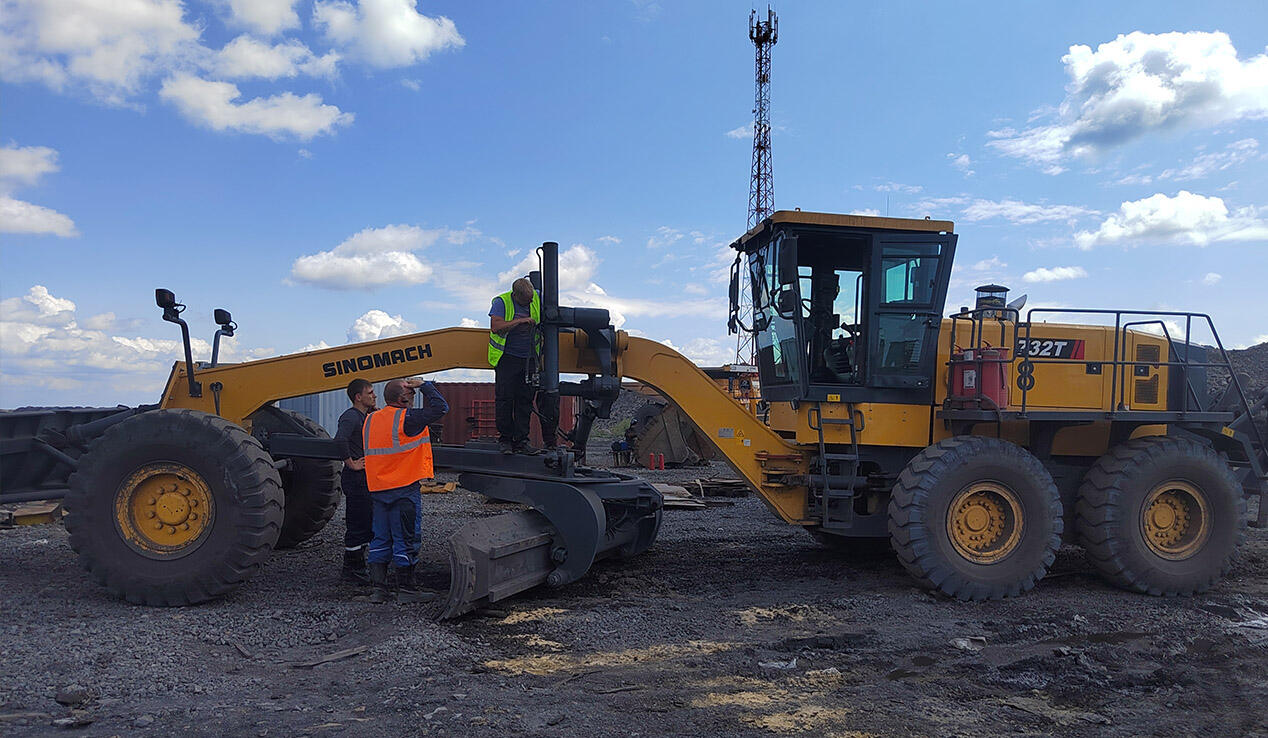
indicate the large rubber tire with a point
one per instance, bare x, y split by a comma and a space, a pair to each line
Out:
919, 515
312, 490
1110, 515
234, 473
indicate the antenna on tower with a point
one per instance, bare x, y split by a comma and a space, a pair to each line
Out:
761, 193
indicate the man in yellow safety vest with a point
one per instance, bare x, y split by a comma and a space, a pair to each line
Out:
514, 348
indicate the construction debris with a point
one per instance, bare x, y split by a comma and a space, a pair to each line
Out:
33, 513
722, 487
678, 498
435, 488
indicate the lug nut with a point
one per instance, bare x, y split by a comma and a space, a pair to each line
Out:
158, 526
153, 501
171, 529
149, 514
185, 492
185, 526
193, 516
193, 503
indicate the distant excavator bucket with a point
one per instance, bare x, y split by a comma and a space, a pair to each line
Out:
665, 432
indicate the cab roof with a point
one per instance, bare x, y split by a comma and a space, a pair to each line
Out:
865, 222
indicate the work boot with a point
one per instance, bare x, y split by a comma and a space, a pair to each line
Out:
378, 579
522, 447
406, 590
354, 569
506, 448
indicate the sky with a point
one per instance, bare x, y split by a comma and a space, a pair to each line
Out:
345, 170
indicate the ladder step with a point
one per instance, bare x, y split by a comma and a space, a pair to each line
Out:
841, 457
843, 484
836, 421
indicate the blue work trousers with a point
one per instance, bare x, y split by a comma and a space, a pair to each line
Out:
396, 523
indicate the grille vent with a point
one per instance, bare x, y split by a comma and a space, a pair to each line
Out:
1150, 352
1147, 390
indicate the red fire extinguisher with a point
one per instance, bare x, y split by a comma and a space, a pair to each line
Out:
978, 378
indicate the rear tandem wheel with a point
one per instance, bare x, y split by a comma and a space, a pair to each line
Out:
1161, 515
174, 507
311, 486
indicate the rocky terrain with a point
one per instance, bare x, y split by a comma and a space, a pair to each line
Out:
733, 624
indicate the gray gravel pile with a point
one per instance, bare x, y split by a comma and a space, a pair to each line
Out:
627, 403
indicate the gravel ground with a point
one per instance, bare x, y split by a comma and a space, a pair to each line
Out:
733, 624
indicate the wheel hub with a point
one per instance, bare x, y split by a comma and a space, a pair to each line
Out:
984, 522
1175, 520
164, 510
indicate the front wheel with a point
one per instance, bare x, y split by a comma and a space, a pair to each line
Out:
1161, 515
976, 518
174, 507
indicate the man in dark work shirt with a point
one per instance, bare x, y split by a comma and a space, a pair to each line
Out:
357, 509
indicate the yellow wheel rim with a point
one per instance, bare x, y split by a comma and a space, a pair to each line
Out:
164, 510
1175, 520
984, 522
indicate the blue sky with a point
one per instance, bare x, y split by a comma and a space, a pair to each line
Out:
343, 170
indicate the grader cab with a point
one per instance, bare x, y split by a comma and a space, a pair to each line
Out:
975, 443
978, 442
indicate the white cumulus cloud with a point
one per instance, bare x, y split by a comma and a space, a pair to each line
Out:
22, 166
212, 104
1138, 83
265, 16
1211, 278
17, 216
385, 33
375, 257
25, 165
1187, 218
376, 324
246, 57
577, 266
109, 48
44, 348
1054, 274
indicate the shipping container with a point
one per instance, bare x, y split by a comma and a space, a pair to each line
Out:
471, 414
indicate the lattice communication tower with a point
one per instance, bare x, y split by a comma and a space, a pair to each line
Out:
761, 193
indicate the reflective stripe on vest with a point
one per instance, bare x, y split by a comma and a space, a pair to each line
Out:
497, 343
392, 458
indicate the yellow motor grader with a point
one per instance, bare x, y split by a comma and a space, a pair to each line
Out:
975, 442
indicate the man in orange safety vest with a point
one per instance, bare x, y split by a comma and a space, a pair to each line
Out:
398, 456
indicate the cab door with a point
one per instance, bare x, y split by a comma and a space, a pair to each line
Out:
909, 289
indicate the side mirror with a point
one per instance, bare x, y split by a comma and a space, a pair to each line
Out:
734, 290
222, 317
787, 260
164, 298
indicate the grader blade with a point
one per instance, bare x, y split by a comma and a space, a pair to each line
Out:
494, 558
574, 521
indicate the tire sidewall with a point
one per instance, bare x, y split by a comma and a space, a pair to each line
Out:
162, 436
1034, 491
1206, 471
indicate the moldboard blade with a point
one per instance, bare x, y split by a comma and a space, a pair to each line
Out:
494, 558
